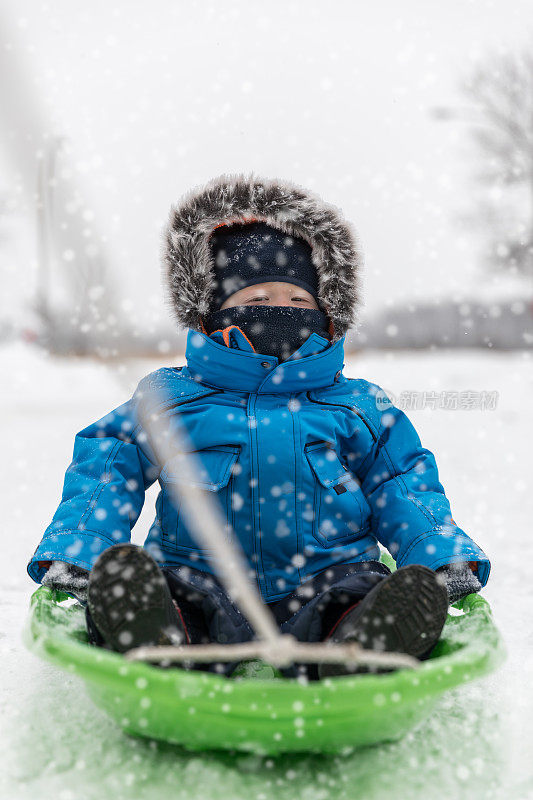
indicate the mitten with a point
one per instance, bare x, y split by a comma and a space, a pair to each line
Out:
67, 578
459, 580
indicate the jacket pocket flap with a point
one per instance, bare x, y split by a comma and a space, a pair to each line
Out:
214, 467
326, 464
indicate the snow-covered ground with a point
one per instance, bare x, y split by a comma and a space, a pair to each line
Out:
479, 744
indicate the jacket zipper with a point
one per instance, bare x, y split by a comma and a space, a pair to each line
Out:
169, 406
254, 486
350, 408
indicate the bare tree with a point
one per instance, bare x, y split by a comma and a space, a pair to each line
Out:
500, 111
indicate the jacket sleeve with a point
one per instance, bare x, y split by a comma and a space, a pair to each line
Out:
103, 492
411, 515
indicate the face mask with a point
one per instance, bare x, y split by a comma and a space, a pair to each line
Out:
273, 330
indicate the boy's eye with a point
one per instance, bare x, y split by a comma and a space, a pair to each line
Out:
255, 299
301, 299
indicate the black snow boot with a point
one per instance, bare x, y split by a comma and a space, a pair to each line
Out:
404, 613
129, 602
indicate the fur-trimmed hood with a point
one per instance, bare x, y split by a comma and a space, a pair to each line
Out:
227, 199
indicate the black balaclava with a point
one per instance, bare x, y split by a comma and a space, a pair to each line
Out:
273, 330
251, 253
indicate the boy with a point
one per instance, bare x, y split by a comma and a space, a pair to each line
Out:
311, 468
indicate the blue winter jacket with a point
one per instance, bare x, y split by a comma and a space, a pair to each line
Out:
311, 469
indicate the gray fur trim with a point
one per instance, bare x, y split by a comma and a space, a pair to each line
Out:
187, 260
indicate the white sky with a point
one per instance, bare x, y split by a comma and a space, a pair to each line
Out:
158, 97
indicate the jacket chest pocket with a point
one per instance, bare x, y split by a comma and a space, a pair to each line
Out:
214, 476
340, 510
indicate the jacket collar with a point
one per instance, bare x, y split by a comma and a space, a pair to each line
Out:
314, 365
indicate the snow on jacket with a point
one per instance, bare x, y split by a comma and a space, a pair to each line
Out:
310, 468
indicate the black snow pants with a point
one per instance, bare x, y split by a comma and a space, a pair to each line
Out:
309, 613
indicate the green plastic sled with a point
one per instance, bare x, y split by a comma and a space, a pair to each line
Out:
201, 711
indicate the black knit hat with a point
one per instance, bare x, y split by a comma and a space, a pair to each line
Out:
254, 252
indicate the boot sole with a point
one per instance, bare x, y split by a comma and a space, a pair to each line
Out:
405, 613
129, 600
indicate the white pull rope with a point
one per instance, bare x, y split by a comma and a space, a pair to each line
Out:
283, 651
